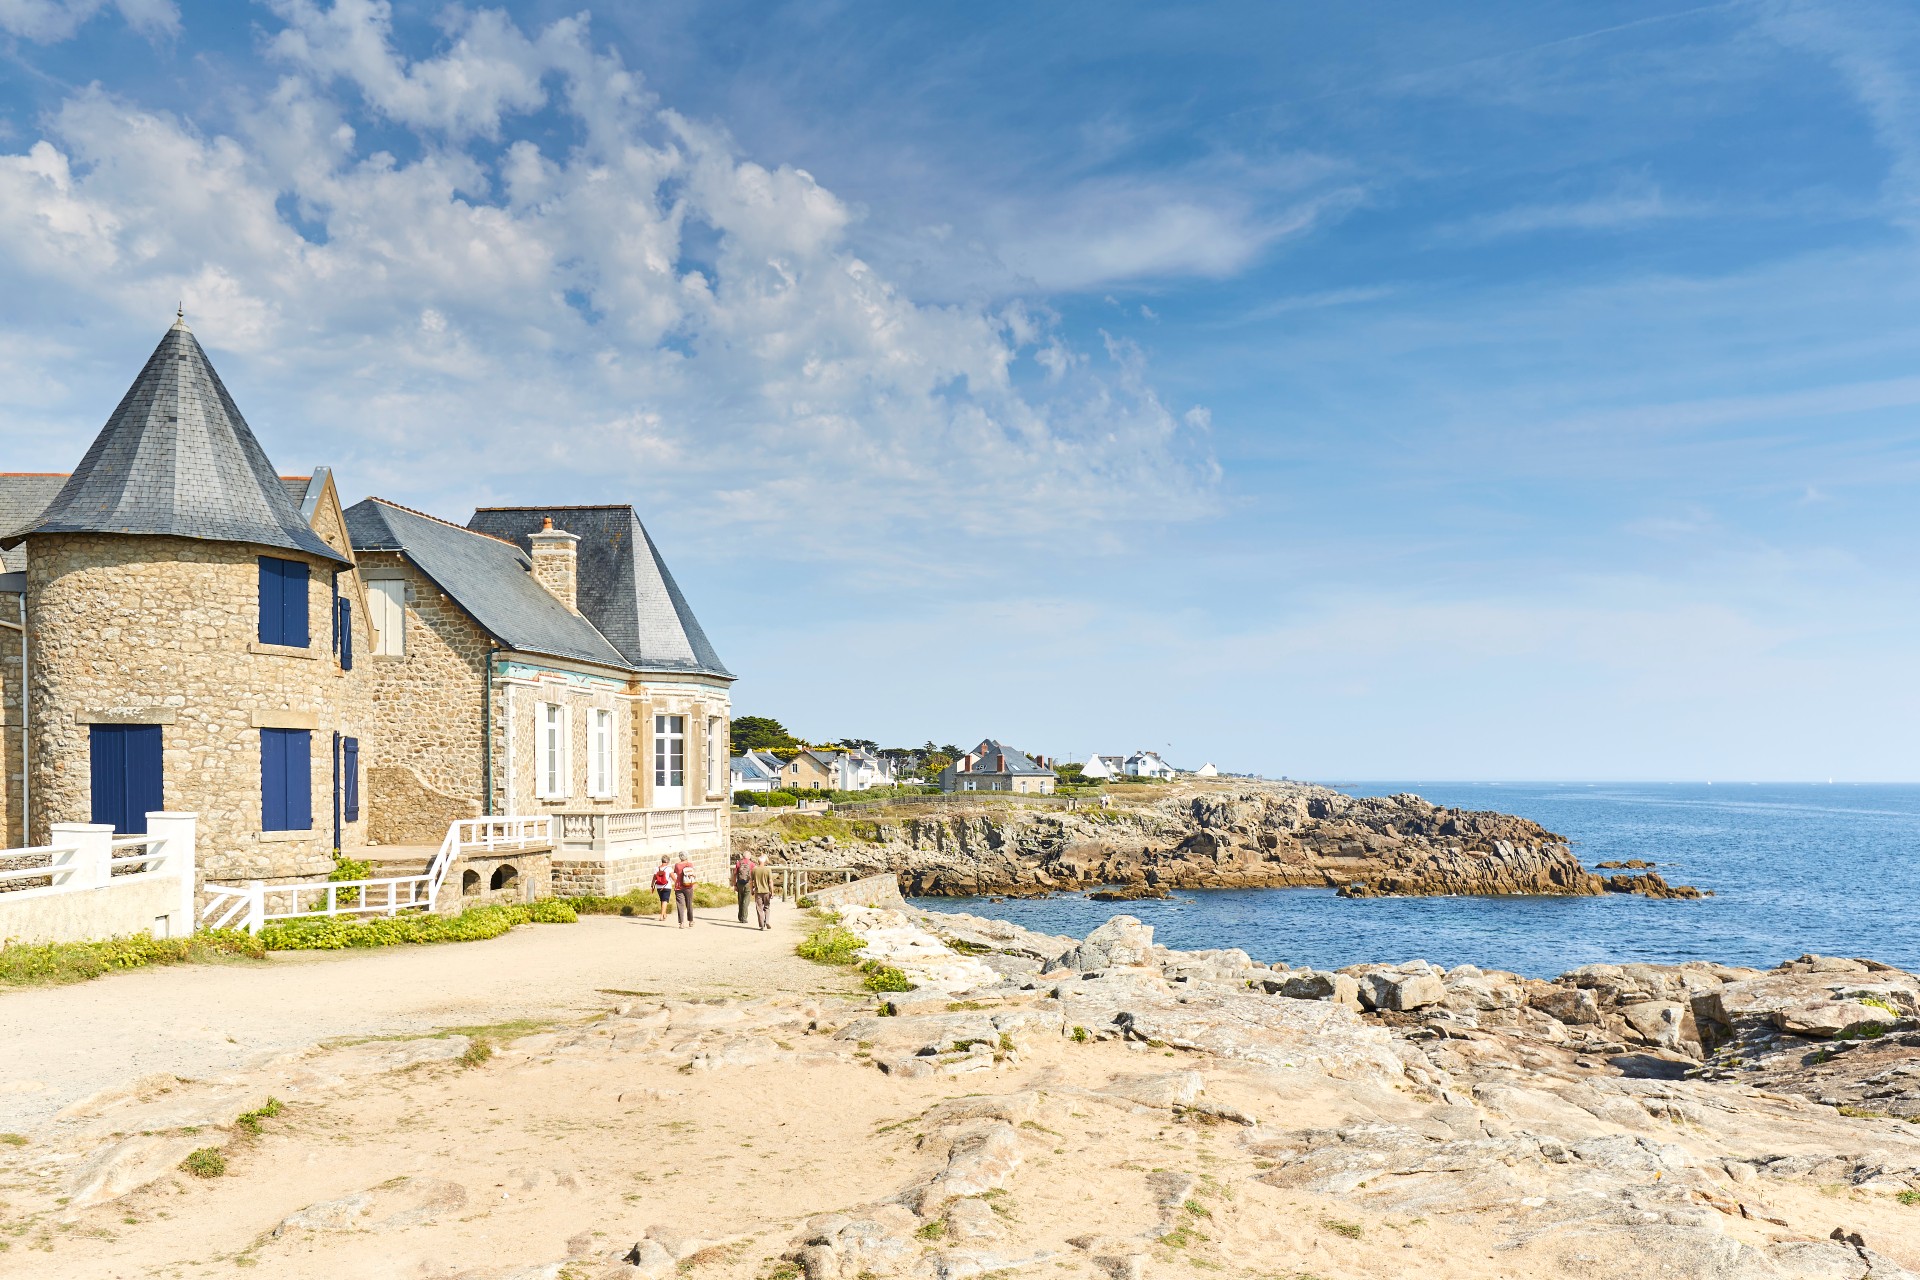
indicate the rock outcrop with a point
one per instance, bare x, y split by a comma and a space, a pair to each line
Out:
1267, 835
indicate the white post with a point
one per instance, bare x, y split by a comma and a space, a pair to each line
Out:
93, 852
174, 832
256, 905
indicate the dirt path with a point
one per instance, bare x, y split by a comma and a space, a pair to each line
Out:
61, 1044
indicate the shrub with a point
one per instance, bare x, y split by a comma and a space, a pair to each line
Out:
207, 1162
713, 895
471, 925
349, 869
478, 1050
551, 911
765, 799
830, 944
884, 977
248, 1122
52, 963
1908, 1198
1080, 1035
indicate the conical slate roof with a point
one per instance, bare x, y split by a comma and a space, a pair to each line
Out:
177, 459
623, 586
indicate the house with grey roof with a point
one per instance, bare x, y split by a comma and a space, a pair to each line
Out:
184, 628
994, 766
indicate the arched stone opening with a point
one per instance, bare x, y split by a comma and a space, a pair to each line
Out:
503, 876
469, 882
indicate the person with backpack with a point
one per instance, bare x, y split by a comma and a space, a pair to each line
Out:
743, 881
761, 883
663, 885
684, 878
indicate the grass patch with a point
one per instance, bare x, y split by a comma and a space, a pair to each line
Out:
796, 827
1861, 1113
1908, 1198
248, 1122
472, 925
41, 964
13, 1139
478, 1050
1080, 1035
1351, 1230
831, 943
934, 1230
207, 1162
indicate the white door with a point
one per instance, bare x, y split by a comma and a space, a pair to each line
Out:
669, 762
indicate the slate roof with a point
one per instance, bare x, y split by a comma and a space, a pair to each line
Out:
492, 580
1013, 761
624, 587
177, 459
23, 496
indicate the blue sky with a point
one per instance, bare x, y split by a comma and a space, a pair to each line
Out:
1498, 391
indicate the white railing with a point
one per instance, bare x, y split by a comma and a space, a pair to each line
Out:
85, 857
635, 832
255, 905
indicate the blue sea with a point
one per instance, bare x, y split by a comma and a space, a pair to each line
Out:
1793, 868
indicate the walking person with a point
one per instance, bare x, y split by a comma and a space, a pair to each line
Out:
743, 881
762, 885
663, 885
684, 878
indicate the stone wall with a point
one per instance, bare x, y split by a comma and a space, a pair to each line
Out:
479, 879
12, 760
401, 809
147, 630
426, 702
869, 891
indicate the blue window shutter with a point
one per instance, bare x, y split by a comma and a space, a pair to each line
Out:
299, 779
271, 594
293, 604
343, 623
350, 777
273, 780
124, 764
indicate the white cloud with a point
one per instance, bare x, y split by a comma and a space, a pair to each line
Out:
636, 311
49, 21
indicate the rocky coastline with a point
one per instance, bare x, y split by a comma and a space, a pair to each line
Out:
1253, 835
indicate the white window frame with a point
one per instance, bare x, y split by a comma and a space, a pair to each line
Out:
669, 728
713, 755
601, 783
553, 751
391, 621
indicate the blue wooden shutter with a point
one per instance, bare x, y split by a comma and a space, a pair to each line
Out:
271, 593
293, 603
350, 778
343, 624
124, 764
286, 780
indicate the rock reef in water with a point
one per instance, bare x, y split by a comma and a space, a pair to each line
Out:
1266, 835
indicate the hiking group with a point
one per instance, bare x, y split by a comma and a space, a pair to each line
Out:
674, 882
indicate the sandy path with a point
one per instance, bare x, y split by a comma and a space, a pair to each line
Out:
60, 1044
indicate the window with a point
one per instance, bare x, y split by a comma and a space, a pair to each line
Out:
286, 780
387, 598
343, 632
601, 781
670, 751
554, 776
713, 755
283, 602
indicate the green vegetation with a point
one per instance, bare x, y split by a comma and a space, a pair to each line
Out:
54, 963
349, 869
884, 977
1080, 1035
13, 1139
1875, 1002
207, 1162
248, 1122
471, 925
933, 1230
760, 733
831, 943
478, 1050
1908, 1198
1351, 1230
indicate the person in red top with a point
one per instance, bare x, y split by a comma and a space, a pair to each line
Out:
663, 885
684, 878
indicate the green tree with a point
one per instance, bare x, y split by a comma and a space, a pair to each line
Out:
761, 733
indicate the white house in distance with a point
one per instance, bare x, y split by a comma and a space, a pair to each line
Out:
1141, 764
861, 770
755, 771
1206, 771
994, 766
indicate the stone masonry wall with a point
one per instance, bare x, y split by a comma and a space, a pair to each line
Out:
165, 630
12, 762
401, 809
426, 706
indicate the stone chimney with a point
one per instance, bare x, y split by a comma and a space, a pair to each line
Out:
556, 563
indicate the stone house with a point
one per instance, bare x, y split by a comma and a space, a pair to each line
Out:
182, 628
994, 766
809, 771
